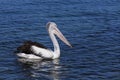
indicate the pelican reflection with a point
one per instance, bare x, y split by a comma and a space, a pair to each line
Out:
42, 69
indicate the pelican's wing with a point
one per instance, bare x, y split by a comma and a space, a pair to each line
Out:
42, 52
28, 56
26, 47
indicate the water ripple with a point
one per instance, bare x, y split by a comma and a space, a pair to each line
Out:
92, 27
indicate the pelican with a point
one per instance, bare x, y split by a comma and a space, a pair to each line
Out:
34, 50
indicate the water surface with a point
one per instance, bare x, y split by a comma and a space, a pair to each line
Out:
92, 27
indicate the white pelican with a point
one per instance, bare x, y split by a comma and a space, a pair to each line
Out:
34, 50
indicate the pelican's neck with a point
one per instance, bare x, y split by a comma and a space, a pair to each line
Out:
56, 51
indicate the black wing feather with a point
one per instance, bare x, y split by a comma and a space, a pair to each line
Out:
25, 48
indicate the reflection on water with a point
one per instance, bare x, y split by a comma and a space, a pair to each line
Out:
38, 68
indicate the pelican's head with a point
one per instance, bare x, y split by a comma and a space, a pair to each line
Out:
52, 28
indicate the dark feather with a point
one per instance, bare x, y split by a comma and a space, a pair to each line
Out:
25, 48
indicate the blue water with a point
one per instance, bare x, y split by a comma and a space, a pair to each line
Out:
92, 27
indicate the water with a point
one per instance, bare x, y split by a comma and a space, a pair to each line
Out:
92, 27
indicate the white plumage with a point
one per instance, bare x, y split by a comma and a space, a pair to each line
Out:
33, 50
